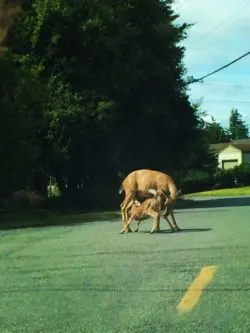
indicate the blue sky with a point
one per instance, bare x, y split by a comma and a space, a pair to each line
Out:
221, 33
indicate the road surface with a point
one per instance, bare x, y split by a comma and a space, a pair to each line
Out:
89, 278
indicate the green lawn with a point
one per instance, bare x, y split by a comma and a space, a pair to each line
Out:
89, 278
223, 192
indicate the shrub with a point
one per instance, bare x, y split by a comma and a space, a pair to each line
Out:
23, 199
238, 176
197, 181
242, 174
225, 178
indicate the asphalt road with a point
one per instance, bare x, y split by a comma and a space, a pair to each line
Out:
89, 278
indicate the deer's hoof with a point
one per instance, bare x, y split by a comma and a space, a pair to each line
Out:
122, 231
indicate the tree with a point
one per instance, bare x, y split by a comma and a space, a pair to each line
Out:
115, 96
23, 103
213, 131
238, 128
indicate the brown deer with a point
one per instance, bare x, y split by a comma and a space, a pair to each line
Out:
138, 182
152, 207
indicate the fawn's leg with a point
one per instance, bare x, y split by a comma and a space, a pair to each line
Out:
137, 228
156, 218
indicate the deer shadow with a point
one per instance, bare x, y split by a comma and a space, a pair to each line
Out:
179, 232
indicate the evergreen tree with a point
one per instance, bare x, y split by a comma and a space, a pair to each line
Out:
238, 128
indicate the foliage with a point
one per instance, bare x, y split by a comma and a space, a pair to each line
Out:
225, 178
242, 174
98, 90
215, 133
22, 107
22, 199
237, 126
196, 181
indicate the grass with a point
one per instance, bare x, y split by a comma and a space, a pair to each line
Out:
231, 192
89, 278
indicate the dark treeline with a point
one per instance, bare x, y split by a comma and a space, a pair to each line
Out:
91, 90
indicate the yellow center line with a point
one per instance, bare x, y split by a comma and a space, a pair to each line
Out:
193, 293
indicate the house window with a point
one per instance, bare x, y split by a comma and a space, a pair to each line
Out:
229, 164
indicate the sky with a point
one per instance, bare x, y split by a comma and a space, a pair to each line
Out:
221, 33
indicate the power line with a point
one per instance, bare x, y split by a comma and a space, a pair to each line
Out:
192, 80
246, 4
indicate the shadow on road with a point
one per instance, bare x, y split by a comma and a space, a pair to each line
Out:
180, 232
47, 218
210, 210
41, 219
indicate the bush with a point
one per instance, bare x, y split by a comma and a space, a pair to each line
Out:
242, 174
225, 178
23, 199
197, 181
239, 176
53, 191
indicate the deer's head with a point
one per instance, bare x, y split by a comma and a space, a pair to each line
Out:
168, 200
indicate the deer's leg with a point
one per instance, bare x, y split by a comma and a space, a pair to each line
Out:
121, 206
126, 227
125, 205
157, 229
176, 227
169, 222
129, 206
124, 208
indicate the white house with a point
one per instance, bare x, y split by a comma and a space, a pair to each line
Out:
233, 153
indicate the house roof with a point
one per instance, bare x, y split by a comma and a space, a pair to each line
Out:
243, 145
216, 147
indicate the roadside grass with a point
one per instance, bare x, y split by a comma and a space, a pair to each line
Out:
239, 191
